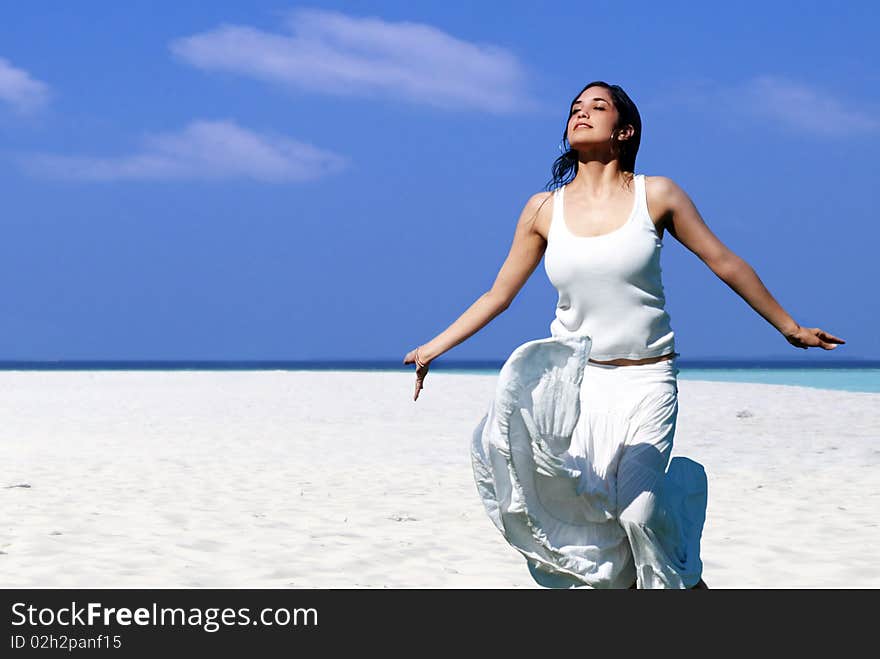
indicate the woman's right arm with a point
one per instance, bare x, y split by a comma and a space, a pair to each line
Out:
524, 256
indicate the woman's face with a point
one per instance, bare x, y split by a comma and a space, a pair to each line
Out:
592, 118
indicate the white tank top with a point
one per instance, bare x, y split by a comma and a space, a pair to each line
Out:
610, 285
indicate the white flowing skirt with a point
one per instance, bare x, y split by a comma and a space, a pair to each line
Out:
572, 463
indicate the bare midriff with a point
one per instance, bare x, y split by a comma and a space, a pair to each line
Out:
635, 362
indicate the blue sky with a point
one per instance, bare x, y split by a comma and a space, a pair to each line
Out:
266, 180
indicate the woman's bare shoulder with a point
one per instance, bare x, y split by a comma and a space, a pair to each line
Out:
659, 191
659, 187
537, 212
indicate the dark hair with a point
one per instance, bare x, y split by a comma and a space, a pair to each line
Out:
565, 167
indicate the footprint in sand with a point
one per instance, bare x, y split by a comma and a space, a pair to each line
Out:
402, 518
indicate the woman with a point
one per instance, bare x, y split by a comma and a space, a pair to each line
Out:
572, 460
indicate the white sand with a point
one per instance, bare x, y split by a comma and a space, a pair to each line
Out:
330, 479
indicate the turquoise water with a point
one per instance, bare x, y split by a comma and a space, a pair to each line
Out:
842, 379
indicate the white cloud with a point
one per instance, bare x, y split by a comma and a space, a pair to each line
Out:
802, 107
207, 150
816, 110
333, 53
20, 90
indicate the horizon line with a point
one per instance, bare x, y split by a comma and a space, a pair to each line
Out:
397, 363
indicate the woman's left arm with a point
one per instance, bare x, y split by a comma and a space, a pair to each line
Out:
683, 221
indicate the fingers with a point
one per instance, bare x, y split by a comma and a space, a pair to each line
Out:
421, 371
825, 340
825, 336
822, 339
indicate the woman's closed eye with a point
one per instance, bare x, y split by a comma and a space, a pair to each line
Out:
598, 107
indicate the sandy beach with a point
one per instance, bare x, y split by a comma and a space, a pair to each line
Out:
338, 479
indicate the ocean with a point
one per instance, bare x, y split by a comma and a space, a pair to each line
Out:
842, 375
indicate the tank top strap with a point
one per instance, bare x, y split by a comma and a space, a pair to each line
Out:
556, 215
639, 185
642, 202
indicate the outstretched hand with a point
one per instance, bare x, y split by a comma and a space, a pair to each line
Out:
813, 337
413, 357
